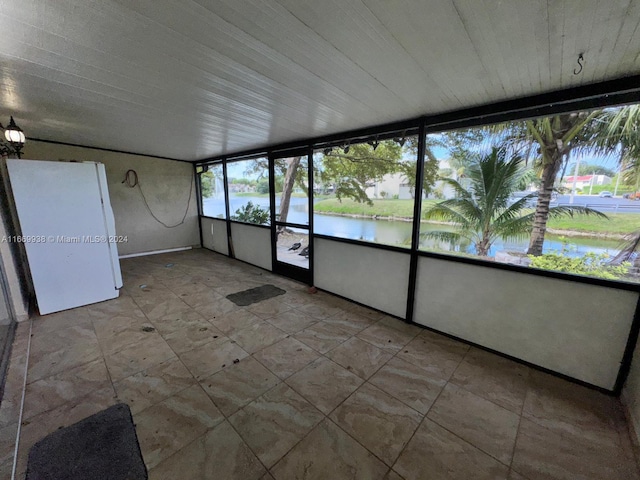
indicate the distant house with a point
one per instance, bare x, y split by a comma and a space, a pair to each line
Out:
586, 181
392, 185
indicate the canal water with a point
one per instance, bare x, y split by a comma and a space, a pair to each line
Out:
398, 233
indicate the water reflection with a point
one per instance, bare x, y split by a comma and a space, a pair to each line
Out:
399, 233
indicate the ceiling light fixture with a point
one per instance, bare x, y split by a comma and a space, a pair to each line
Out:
13, 139
401, 140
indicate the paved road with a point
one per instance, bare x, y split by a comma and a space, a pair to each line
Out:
617, 204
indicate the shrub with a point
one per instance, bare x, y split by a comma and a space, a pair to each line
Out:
592, 264
251, 213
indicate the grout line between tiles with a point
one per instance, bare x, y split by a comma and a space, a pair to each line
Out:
24, 391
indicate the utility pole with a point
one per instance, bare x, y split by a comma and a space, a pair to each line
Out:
593, 175
575, 179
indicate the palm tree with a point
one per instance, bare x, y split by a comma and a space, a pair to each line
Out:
622, 133
484, 211
550, 140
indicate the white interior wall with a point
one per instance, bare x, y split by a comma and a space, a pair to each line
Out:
573, 328
214, 235
252, 244
374, 277
165, 183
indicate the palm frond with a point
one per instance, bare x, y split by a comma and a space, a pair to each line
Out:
447, 211
570, 211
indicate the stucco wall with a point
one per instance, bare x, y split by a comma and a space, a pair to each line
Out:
374, 277
214, 235
166, 185
631, 394
573, 328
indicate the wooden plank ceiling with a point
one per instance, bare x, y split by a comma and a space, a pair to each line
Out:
189, 79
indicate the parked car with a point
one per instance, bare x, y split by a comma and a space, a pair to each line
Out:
605, 194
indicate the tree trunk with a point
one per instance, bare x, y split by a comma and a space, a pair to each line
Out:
287, 188
549, 172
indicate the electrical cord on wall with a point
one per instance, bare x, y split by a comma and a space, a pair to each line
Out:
131, 180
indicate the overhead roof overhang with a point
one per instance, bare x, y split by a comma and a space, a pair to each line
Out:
192, 80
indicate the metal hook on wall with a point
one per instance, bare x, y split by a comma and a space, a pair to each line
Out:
576, 71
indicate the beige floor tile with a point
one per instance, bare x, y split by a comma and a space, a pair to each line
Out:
292, 321
61, 320
6, 469
553, 453
329, 453
208, 359
556, 403
408, 383
133, 359
275, 422
153, 385
480, 422
238, 384
385, 337
286, 357
322, 337
359, 357
498, 379
324, 383
401, 325
391, 475
56, 351
120, 332
234, 321
168, 426
513, 475
319, 309
257, 336
177, 321
217, 308
378, 421
166, 304
67, 386
269, 308
219, 454
436, 454
193, 335
435, 353
8, 443
12, 395
185, 287
350, 322
197, 299
121, 306
296, 297
365, 312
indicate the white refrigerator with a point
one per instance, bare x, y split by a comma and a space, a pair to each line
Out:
68, 231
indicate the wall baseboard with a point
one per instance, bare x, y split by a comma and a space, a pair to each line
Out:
154, 252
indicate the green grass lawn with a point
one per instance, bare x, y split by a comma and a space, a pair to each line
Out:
381, 208
265, 195
618, 223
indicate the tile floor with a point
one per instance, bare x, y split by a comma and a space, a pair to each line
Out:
301, 386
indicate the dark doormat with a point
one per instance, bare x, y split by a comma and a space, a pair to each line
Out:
103, 446
255, 295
